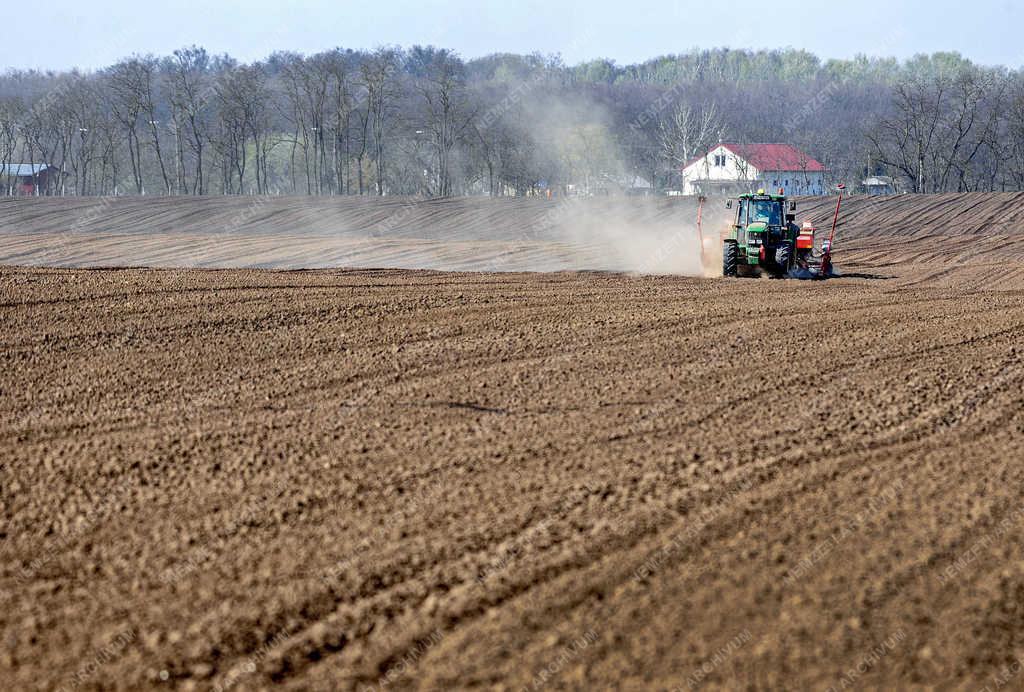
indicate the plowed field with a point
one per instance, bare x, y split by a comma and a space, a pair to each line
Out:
391, 479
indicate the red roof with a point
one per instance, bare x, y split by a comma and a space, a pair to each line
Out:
771, 157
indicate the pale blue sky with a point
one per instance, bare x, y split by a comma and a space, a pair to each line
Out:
90, 34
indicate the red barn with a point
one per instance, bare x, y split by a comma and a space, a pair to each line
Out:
26, 179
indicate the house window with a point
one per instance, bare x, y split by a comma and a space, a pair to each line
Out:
720, 160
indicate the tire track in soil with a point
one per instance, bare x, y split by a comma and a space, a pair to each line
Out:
905, 433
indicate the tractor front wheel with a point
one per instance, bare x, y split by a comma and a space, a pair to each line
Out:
730, 258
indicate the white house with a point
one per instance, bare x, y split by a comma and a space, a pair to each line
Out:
729, 169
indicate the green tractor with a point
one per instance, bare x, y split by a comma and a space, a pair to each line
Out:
764, 236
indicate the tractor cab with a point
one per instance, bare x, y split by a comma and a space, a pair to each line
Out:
757, 209
760, 213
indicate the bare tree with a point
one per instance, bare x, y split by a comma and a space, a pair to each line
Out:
362, 130
241, 98
123, 80
688, 132
146, 77
307, 94
11, 113
943, 120
109, 142
977, 118
380, 78
1014, 135
80, 130
258, 121
190, 93
344, 96
440, 81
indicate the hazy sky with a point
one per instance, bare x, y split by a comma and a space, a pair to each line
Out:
90, 34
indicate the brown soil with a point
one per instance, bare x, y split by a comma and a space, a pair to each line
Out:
412, 479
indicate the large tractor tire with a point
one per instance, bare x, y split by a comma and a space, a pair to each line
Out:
783, 255
730, 258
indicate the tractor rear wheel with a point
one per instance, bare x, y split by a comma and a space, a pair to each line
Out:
730, 256
782, 258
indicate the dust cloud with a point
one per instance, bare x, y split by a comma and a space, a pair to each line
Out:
655, 235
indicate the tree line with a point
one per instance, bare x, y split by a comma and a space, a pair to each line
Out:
423, 121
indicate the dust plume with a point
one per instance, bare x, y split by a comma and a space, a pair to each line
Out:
596, 215
642, 235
